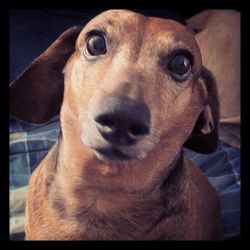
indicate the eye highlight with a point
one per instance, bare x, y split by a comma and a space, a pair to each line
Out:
177, 64
95, 44
180, 66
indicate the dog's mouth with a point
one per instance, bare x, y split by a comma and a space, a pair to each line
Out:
110, 151
111, 154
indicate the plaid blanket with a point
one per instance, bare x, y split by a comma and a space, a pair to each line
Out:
30, 143
223, 171
28, 146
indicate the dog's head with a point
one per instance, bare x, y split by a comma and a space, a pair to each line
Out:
131, 84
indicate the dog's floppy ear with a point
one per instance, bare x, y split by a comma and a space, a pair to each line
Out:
36, 95
204, 137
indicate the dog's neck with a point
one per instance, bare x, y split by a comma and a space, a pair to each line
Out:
101, 203
80, 165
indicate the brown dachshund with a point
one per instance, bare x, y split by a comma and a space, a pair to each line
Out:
134, 93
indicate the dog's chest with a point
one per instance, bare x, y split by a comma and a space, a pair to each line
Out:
103, 221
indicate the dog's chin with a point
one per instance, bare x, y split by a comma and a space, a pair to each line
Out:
112, 154
109, 152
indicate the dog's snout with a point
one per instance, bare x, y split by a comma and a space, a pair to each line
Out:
120, 128
122, 121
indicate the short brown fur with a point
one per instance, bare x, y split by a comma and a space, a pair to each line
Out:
73, 195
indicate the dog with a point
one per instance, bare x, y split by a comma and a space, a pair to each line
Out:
131, 91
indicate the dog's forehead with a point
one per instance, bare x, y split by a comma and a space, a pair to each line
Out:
128, 21
136, 29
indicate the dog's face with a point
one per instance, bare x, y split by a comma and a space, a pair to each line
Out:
132, 83
134, 88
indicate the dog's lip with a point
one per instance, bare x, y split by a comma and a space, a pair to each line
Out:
113, 154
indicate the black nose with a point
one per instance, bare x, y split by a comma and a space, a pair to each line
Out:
122, 121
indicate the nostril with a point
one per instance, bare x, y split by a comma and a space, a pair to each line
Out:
136, 131
105, 121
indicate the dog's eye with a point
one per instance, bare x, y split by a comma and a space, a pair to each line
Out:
180, 67
96, 45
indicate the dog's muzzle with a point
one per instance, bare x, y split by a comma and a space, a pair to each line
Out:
120, 123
